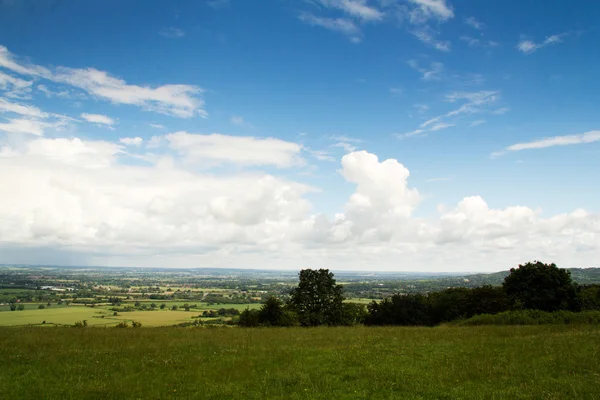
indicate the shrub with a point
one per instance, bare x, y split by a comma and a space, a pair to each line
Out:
80, 324
122, 325
533, 317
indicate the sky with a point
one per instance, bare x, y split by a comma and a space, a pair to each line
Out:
371, 135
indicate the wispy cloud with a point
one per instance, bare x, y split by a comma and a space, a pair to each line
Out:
172, 33
21, 109
501, 111
441, 179
528, 46
440, 125
473, 102
98, 119
217, 4
395, 91
427, 36
14, 87
134, 141
421, 108
240, 121
157, 126
355, 8
419, 14
23, 125
424, 10
474, 23
340, 25
477, 122
173, 99
321, 155
587, 137
429, 74
474, 42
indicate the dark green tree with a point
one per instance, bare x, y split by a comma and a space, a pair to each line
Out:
271, 312
541, 286
317, 300
249, 318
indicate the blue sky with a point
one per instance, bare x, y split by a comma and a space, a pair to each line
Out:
281, 116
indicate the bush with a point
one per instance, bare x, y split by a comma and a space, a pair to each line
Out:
533, 317
80, 324
41, 306
136, 324
122, 325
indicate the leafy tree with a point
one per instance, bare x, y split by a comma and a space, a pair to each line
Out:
20, 307
589, 297
411, 309
13, 306
353, 314
317, 300
249, 318
163, 306
271, 312
541, 286
174, 308
41, 306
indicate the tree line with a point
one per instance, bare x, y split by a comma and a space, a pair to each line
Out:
319, 300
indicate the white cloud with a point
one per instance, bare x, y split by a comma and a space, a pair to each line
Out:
473, 102
342, 138
528, 46
74, 152
7, 60
501, 111
416, 132
240, 121
421, 108
426, 36
21, 109
474, 42
321, 155
22, 125
394, 91
98, 119
172, 33
477, 122
440, 125
243, 150
156, 126
131, 141
567, 140
474, 23
176, 100
79, 198
341, 25
13, 86
433, 73
355, 8
430, 9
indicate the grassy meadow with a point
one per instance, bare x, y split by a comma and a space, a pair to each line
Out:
482, 362
103, 316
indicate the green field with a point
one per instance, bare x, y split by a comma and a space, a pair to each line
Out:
522, 362
101, 315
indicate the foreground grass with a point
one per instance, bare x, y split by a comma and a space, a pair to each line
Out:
523, 362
